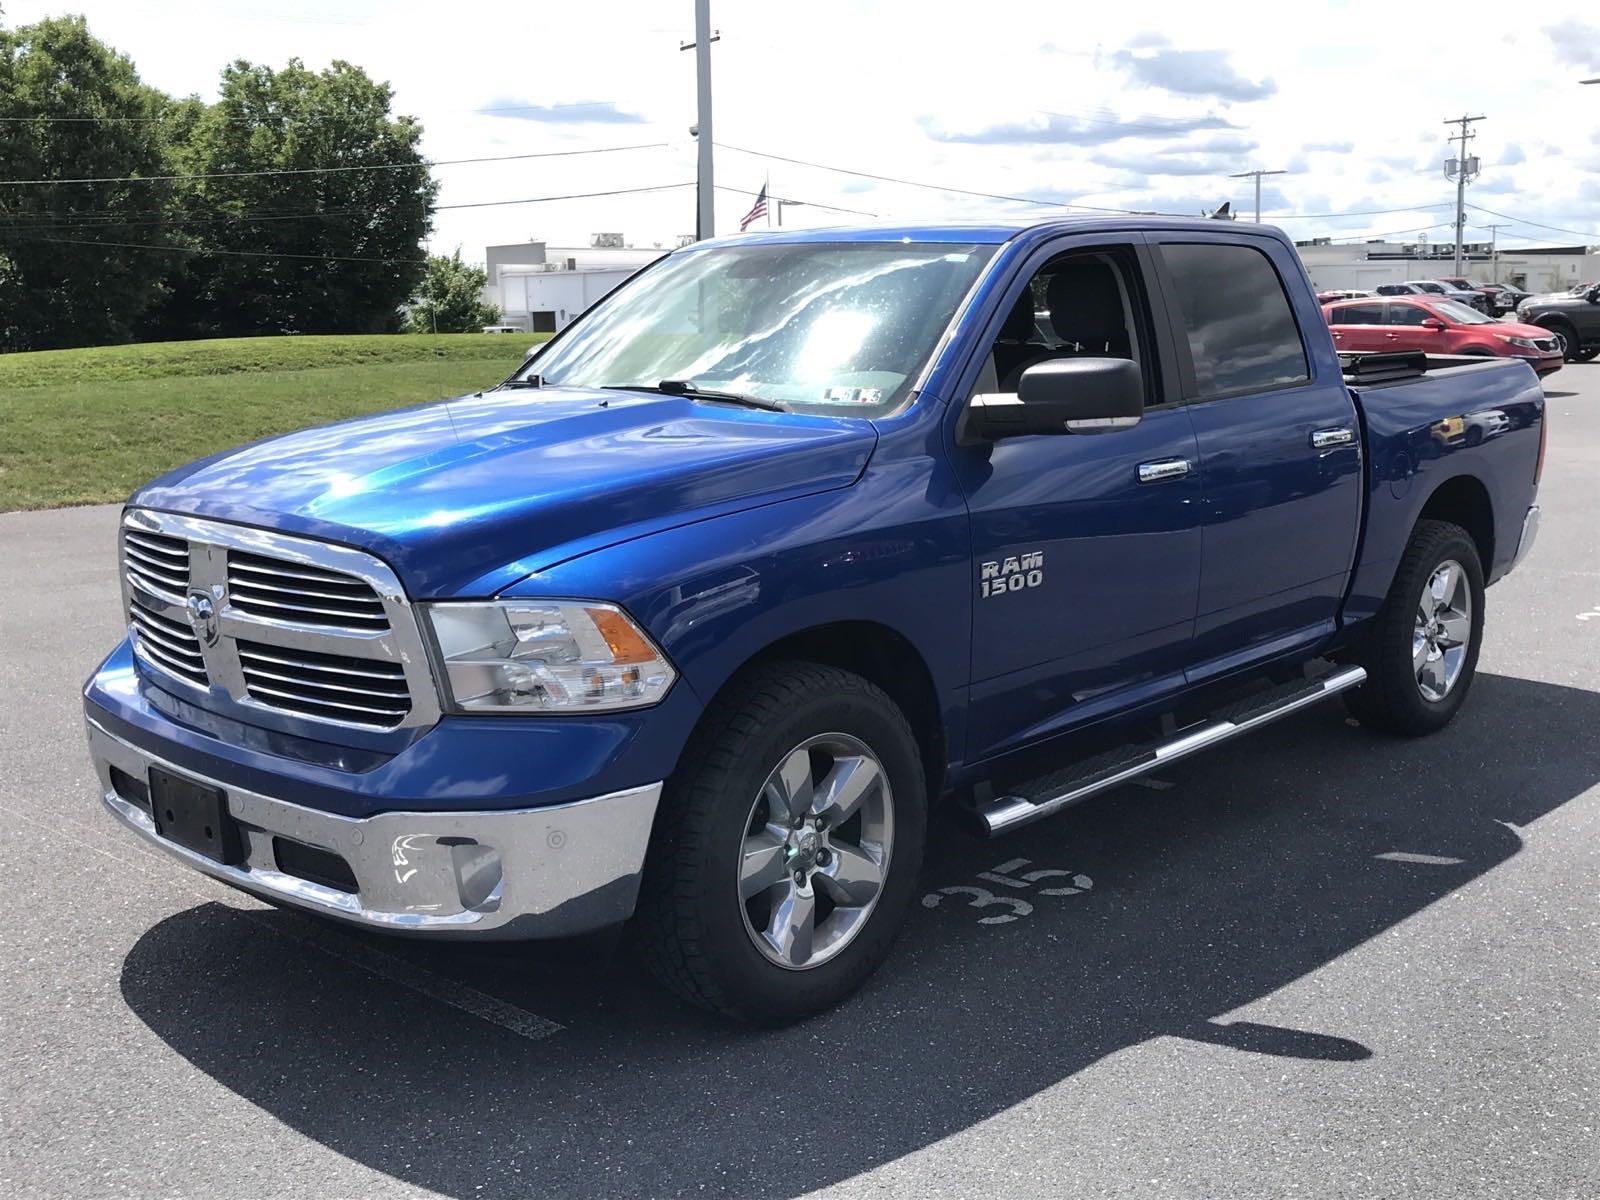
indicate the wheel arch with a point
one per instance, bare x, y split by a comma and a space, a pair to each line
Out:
883, 656
1464, 500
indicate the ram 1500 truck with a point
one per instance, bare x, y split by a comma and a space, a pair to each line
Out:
790, 539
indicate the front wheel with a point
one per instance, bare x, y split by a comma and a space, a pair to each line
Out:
1586, 355
1422, 649
786, 853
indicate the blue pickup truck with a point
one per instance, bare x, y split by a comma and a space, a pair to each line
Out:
788, 542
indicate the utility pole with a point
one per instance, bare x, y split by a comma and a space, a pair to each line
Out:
1256, 175
1494, 250
1462, 169
704, 35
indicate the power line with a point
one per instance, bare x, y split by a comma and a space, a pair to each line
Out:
857, 212
229, 253
1535, 224
937, 187
447, 162
1370, 212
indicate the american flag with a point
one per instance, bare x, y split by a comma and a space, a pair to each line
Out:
757, 210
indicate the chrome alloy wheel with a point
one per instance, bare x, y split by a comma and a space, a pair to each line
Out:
816, 851
1442, 630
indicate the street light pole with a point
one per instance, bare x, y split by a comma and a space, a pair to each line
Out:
1256, 175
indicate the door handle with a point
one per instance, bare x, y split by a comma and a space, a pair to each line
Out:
1329, 439
1166, 468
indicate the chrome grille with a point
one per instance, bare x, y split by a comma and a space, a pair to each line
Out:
156, 562
170, 645
272, 629
1545, 343
326, 685
291, 591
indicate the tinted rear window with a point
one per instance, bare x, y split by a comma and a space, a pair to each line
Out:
1242, 334
1356, 314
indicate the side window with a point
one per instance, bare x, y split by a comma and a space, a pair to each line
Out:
1087, 304
1408, 314
1357, 314
1242, 334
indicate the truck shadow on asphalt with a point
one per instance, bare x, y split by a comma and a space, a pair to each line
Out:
1256, 867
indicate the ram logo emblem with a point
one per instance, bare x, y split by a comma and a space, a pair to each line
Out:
1011, 574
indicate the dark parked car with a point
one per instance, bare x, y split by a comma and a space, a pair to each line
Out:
1573, 318
1504, 298
1489, 291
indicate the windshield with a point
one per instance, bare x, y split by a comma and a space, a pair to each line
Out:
1461, 314
836, 328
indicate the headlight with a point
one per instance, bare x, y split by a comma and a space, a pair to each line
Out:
545, 656
1525, 343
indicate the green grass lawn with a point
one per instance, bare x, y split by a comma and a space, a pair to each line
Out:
88, 426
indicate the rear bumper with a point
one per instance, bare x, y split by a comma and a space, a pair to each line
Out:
1530, 535
553, 871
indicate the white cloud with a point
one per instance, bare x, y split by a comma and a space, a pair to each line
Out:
865, 85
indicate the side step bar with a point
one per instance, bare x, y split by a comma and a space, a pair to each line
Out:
1033, 799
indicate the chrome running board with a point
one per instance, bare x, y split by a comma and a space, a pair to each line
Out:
1036, 798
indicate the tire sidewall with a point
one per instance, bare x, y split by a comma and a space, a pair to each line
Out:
770, 993
1435, 714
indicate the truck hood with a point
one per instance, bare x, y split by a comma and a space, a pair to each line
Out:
466, 496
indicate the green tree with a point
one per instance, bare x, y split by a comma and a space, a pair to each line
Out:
59, 286
448, 300
315, 222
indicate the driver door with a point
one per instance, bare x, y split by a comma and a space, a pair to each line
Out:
1085, 548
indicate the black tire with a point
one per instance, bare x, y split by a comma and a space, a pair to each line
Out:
1569, 337
1586, 355
690, 926
1391, 700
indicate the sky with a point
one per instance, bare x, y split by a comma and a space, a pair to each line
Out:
1148, 108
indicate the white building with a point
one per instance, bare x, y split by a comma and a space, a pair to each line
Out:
1367, 264
541, 288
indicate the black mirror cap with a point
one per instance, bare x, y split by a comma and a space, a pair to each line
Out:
1061, 395
1593, 295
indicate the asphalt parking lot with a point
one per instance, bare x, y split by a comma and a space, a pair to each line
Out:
1319, 963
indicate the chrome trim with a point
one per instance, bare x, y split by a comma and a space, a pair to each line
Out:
1530, 535
1167, 468
1330, 439
208, 544
1006, 813
522, 873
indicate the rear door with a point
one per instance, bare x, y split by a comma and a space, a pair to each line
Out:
1407, 329
1280, 447
1357, 326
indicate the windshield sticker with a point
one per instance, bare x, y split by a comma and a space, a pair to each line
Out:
852, 395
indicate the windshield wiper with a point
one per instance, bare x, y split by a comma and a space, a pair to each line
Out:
692, 390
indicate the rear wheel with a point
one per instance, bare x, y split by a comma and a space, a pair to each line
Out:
1422, 650
1586, 355
786, 853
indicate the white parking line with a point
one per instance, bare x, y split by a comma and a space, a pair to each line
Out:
385, 966
1427, 860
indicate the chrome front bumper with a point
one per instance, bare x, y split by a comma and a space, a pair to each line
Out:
527, 873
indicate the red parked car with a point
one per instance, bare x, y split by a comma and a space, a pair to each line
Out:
1439, 327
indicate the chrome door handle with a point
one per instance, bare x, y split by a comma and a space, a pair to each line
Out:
1329, 439
1166, 468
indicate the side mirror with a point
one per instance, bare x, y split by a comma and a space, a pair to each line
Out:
1062, 395
1593, 295
1434, 324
